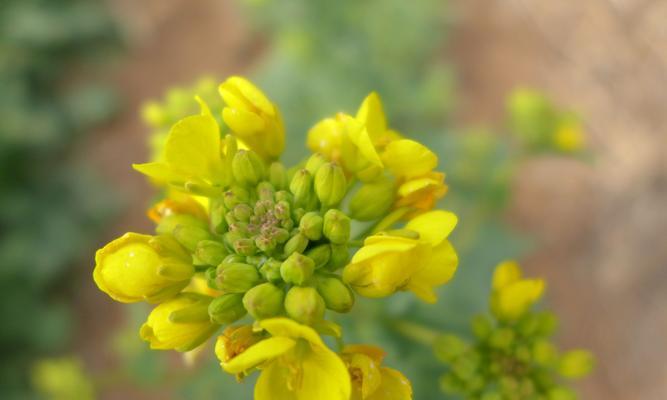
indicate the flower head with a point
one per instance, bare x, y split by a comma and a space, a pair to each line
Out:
294, 363
371, 380
512, 295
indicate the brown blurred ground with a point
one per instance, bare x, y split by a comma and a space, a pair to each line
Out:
603, 226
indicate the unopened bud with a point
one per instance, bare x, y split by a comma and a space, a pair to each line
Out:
242, 212
234, 258
210, 252
575, 364
236, 277
218, 211
265, 243
296, 244
304, 305
372, 200
320, 255
168, 224
311, 225
190, 236
301, 187
227, 308
284, 195
245, 246
278, 176
270, 270
314, 163
264, 301
297, 269
265, 191
234, 196
330, 184
336, 226
336, 294
248, 168
340, 255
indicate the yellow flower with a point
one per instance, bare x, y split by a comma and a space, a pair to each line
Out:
252, 117
192, 154
295, 364
569, 138
181, 323
181, 205
511, 295
371, 114
417, 259
345, 140
412, 163
139, 267
372, 381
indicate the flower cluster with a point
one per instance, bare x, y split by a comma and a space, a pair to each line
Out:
265, 250
512, 356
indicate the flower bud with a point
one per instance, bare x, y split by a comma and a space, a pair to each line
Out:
340, 255
242, 212
372, 200
234, 196
265, 191
297, 269
337, 295
320, 255
181, 323
330, 184
270, 270
278, 176
301, 187
245, 246
336, 226
236, 277
296, 244
248, 168
574, 364
315, 162
304, 305
235, 340
227, 308
311, 225
169, 223
210, 252
264, 301
190, 236
138, 267
218, 211
284, 195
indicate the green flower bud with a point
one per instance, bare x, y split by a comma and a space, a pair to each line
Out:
340, 255
280, 235
190, 236
218, 222
337, 295
283, 195
301, 187
314, 163
242, 212
265, 244
264, 301
234, 258
449, 347
236, 277
296, 244
211, 278
330, 184
169, 223
278, 176
311, 225
544, 352
501, 338
561, 393
320, 255
270, 270
245, 246
210, 252
234, 196
227, 308
265, 191
336, 226
304, 305
481, 326
372, 200
297, 269
248, 168
548, 323
576, 364
282, 210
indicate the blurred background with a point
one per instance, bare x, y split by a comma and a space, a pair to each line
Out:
549, 119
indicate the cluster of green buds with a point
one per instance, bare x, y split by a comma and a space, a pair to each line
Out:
512, 355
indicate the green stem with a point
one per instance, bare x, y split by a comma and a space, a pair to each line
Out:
355, 243
418, 333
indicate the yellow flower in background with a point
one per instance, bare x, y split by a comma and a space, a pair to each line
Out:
371, 114
139, 267
412, 163
181, 323
295, 364
62, 379
511, 295
418, 258
371, 380
184, 204
192, 153
253, 117
569, 137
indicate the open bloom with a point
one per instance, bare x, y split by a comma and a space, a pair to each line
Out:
371, 114
181, 323
512, 295
295, 364
418, 259
139, 267
371, 380
253, 117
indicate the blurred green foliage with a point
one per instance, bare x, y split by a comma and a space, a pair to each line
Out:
49, 205
62, 379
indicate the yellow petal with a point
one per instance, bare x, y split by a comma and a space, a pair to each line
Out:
250, 92
193, 147
289, 328
515, 299
258, 353
438, 270
408, 159
506, 273
394, 386
159, 171
434, 226
372, 115
242, 122
380, 244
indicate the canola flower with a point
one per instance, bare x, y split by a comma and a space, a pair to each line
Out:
264, 252
512, 355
